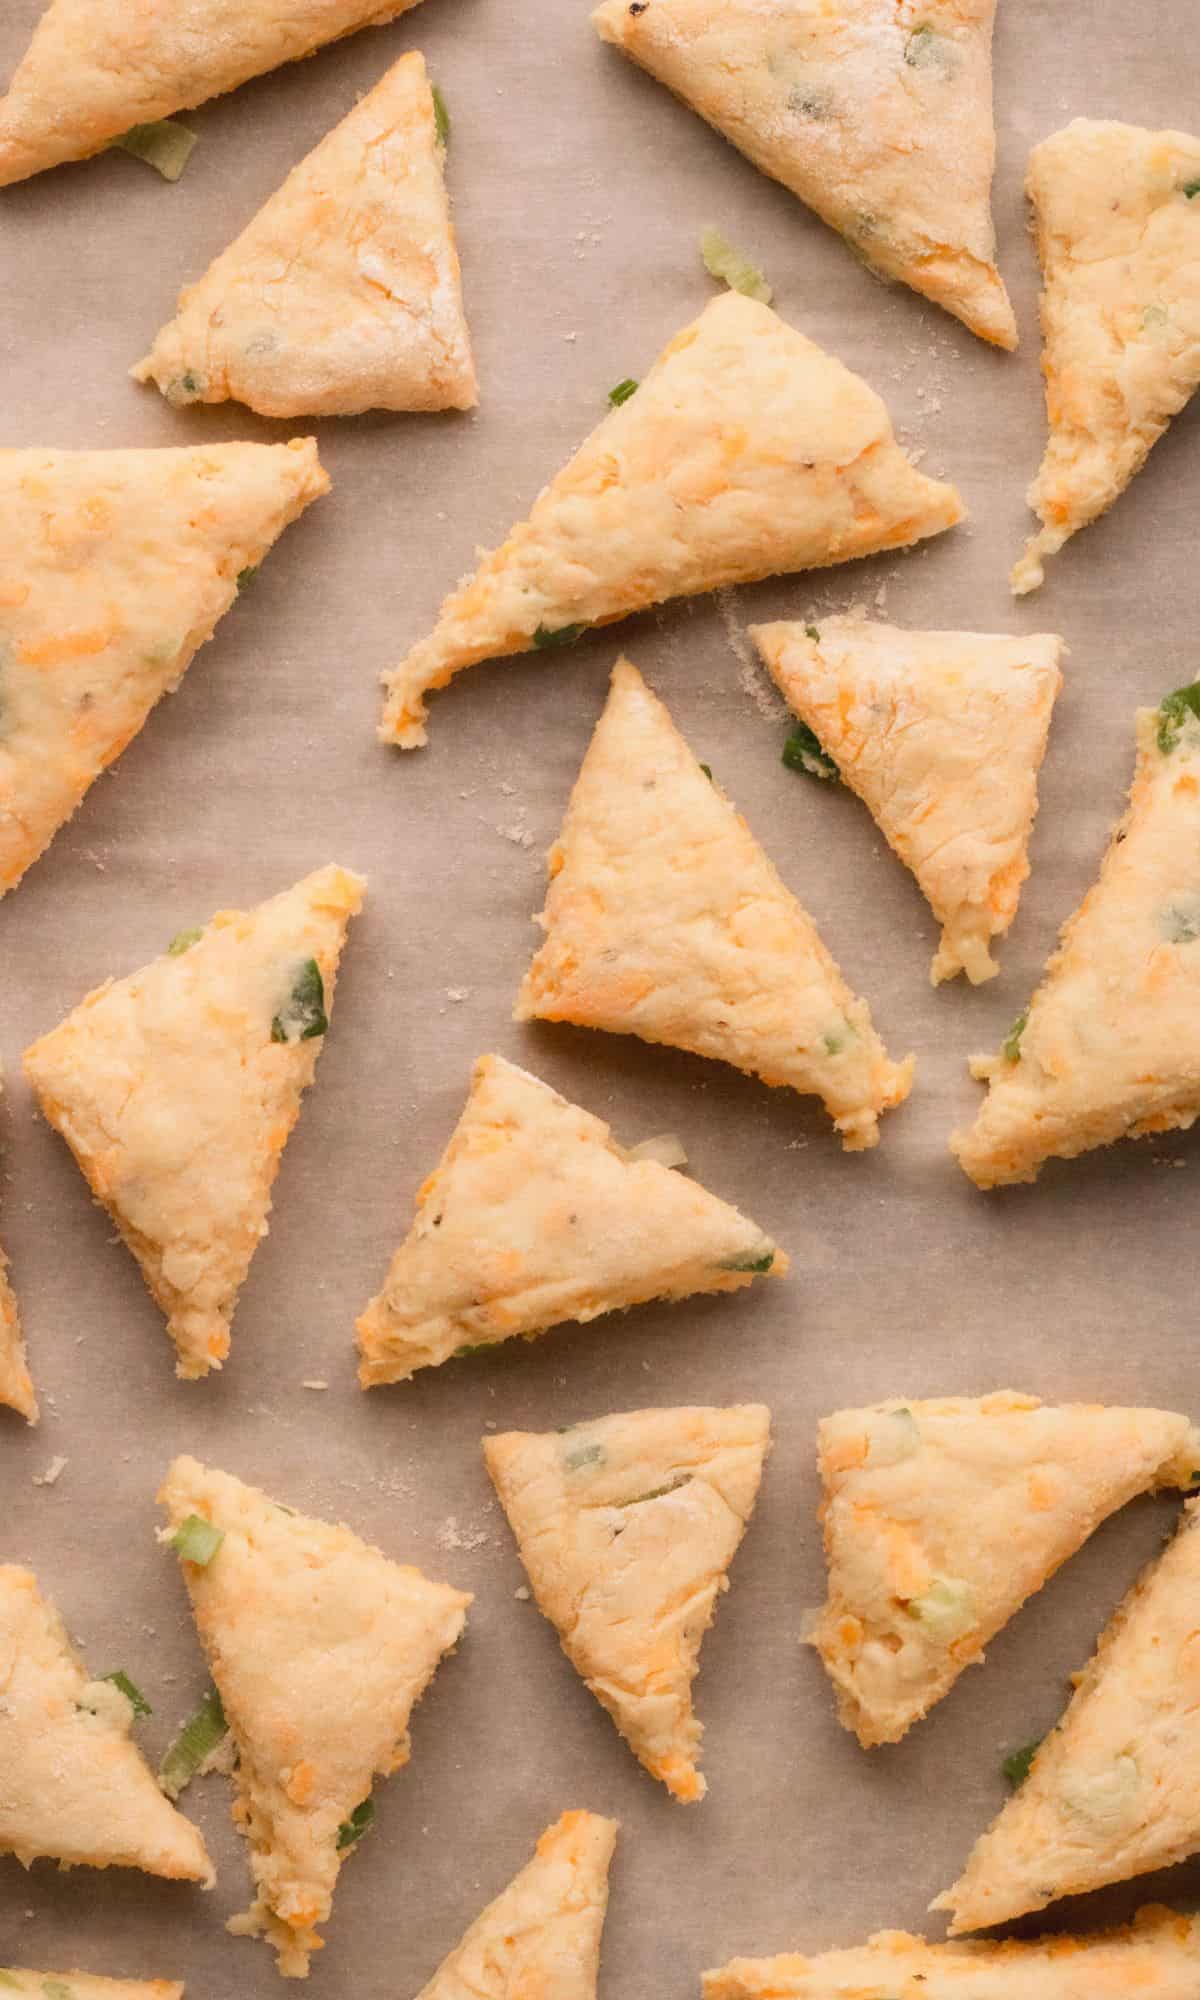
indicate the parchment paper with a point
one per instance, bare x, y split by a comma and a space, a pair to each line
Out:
580, 187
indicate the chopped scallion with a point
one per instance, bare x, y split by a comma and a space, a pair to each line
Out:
166, 145
623, 391
132, 1693
201, 1734
197, 1541
351, 1830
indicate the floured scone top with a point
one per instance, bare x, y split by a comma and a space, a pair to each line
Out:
878, 115
942, 735
942, 1517
320, 1649
176, 1090
115, 566
626, 1528
540, 1939
1117, 214
745, 452
665, 919
73, 1785
536, 1215
344, 293
85, 1986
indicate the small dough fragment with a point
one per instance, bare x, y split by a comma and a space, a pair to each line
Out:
73, 1785
176, 1090
942, 1517
665, 919
1114, 1790
1116, 211
745, 452
344, 292
85, 1986
627, 1527
878, 116
942, 735
320, 1648
540, 1939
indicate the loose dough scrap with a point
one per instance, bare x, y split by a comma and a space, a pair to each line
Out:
1117, 216
85, 1986
942, 1517
115, 567
746, 451
942, 735
344, 292
176, 1090
536, 1215
665, 919
1114, 1790
540, 1939
73, 1786
1156, 1958
97, 67
320, 1648
1110, 1044
16, 1384
626, 1528
878, 115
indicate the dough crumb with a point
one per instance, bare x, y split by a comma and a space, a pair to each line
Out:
53, 1472
522, 1592
314, 1382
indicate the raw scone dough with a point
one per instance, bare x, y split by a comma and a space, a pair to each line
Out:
85, 1986
665, 919
942, 735
626, 1528
1117, 214
73, 1786
320, 1649
942, 1517
97, 67
877, 113
344, 293
540, 1939
536, 1215
1114, 1790
115, 567
746, 451
1110, 1043
176, 1090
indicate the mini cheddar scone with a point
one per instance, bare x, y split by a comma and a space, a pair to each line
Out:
942, 1517
85, 1986
73, 1786
665, 919
16, 1383
1157, 1957
877, 116
540, 1938
627, 1527
344, 293
746, 451
115, 567
176, 1090
320, 1648
96, 68
1114, 1790
942, 735
1116, 211
535, 1215
1109, 1045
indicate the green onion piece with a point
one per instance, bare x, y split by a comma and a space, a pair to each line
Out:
166, 146
1016, 1766
722, 260
707, 770
1173, 712
57, 1989
761, 1262
441, 117
623, 391
561, 635
480, 1347
201, 1734
1010, 1047
351, 1830
656, 1492
246, 576
811, 632
132, 1693
584, 1454
183, 941
1191, 189
302, 1018
803, 752
197, 1541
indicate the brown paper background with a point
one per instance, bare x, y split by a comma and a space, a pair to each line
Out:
580, 187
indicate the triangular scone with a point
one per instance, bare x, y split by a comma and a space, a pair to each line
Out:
344, 293
665, 919
941, 1518
942, 735
73, 1786
878, 116
320, 1649
85, 1986
626, 1528
1157, 1958
1109, 1046
540, 1939
536, 1215
176, 1090
747, 451
115, 567
1114, 1790
95, 68
1116, 211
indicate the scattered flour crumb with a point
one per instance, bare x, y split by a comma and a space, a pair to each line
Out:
53, 1472
314, 1382
458, 992
522, 1592
451, 1536
518, 833
750, 674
